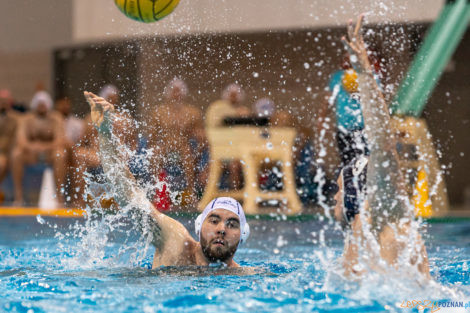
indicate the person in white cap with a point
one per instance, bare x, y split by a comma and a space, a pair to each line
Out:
221, 227
39, 140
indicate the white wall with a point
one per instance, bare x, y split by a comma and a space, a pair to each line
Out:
99, 19
32, 25
29, 30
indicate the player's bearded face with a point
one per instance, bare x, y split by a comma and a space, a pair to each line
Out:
220, 235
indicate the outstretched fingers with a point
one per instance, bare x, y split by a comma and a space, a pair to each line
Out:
89, 99
357, 31
348, 45
98, 103
354, 40
100, 108
350, 30
355, 45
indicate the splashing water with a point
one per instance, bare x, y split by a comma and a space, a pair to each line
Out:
104, 222
35, 274
382, 177
310, 274
110, 248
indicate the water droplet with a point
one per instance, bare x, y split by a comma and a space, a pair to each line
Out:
40, 219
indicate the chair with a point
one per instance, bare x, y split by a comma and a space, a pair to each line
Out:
251, 145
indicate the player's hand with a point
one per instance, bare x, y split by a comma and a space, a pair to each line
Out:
100, 110
356, 46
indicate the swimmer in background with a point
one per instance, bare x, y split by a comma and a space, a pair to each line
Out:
40, 139
372, 189
221, 227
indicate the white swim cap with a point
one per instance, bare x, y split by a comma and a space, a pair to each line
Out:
41, 97
233, 88
228, 204
108, 91
264, 107
176, 83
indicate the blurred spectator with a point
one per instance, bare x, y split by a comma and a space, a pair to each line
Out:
73, 132
231, 105
305, 156
8, 128
39, 140
123, 126
85, 158
302, 153
264, 107
110, 93
177, 138
269, 175
73, 126
85, 154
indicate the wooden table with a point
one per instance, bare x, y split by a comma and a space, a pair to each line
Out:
251, 145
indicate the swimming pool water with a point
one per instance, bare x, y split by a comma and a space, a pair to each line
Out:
40, 272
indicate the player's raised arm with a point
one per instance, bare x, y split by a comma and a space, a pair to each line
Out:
386, 191
165, 230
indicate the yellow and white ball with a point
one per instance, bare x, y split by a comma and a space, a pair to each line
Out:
146, 11
350, 81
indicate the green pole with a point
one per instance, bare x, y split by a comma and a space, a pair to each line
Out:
408, 82
432, 57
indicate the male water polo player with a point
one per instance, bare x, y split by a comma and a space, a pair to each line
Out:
350, 201
221, 227
372, 196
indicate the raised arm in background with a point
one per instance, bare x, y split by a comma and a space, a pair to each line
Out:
386, 200
386, 190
